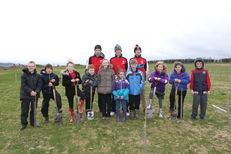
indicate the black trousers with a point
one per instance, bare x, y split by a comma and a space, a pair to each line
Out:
46, 100
88, 100
134, 102
26, 106
173, 100
105, 104
113, 105
71, 102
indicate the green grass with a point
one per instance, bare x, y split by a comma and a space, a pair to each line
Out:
164, 136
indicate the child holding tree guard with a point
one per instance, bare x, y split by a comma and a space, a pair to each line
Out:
71, 78
200, 88
158, 78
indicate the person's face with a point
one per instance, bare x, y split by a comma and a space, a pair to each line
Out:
133, 66
91, 71
97, 52
49, 70
31, 67
178, 68
121, 75
105, 63
70, 67
118, 52
199, 64
160, 68
138, 52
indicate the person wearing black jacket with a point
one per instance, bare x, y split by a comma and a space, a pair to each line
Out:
89, 80
49, 81
69, 81
29, 93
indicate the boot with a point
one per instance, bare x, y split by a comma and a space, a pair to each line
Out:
22, 127
132, 114
80, 110
46, 119
124, 116
72, 115
136, 114
117, 116
161, 113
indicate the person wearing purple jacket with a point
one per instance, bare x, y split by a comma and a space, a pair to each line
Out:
158, 78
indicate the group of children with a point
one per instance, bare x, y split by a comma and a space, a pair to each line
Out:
121, 89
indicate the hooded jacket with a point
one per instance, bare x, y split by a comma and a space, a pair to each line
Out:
69, 86
183, 76
160, 85
46, 78
200, 80
136, 81
105, 80
30, 82
120, 88
92, 81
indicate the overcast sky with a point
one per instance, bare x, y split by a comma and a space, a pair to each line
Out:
53, 31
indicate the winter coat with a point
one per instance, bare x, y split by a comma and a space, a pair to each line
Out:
136, 81
30, 82
46, 78
91, 83
120, 88
183, 76
160, 85
105, 80
69, 86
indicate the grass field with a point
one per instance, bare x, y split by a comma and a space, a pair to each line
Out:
212, 135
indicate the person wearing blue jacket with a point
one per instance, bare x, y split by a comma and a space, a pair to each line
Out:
136, 81
179, 80
120, 90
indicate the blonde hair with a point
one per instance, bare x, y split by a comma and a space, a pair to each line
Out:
161, 63
70, 62
31, 62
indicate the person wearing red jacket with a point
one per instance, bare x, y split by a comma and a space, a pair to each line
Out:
97, 58
200, 86
143, 66
118, 62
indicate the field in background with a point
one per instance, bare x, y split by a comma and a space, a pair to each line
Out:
211, 135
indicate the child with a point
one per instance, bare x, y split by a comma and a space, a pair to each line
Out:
29, 93
200, 87
179, 80
71, 78
89, 80
136, 80
120, 90
158, 78
105, 80
49, 81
